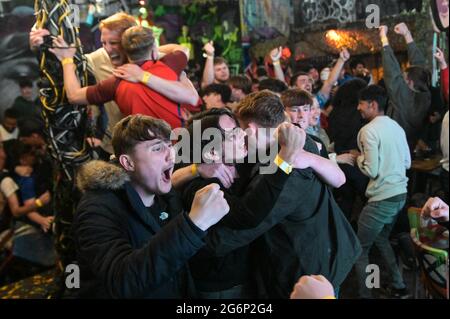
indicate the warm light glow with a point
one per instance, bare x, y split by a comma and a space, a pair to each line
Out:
332, 35
340, 39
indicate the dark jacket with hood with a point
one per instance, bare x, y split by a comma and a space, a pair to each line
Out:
123, 250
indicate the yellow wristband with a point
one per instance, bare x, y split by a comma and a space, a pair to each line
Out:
67, 61
276, 62
284, 166
329, 297
38, 203
385, 41
194, 170
145, 77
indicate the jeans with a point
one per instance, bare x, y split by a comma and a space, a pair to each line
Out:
374, 227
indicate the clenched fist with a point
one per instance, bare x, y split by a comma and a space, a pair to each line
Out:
313, 287
401, 29
208, 207
383, 31
344, 55
291, 139
209, 48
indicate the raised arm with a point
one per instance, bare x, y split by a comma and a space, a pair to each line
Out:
396, 86
275, 55
415, 55
65, 53
208, 72
444, 73
334, 75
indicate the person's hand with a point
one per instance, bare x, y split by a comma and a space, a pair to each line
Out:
402, 29
62, 50
209, 206
440, 57
291, 139
37, 37
226, 174
23, 170
45, 198
346, 158
365, 72
209, 48
383, 31
276, 54
344, 55
355, 153
435, 208
46, 223
93, 142
129, 72
312, 287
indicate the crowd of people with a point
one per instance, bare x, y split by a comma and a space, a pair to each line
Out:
268, 211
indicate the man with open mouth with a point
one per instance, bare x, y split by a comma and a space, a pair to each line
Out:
133, 239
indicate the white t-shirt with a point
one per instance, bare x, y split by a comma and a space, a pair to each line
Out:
8, 187
6, 136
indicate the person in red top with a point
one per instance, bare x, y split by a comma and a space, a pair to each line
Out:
444, 73
158, 79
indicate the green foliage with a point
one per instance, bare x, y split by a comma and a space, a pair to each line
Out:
225, 36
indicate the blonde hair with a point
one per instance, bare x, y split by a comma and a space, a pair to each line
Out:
118, 22
137, 42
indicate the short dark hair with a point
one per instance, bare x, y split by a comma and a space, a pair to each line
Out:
24, 82
222, 89
11, 113
296, 97
354, 63
15, 151
208, 119
347, 94
134, 129
375, 93
296, 76
241, 82
273, 85
420, 76
264, 108
261, 71
307, 67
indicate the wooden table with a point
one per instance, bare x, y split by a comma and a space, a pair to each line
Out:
422, 169
426, 165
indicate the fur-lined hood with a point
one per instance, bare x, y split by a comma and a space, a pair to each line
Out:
97, 175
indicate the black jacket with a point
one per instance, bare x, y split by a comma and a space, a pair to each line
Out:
122, 250
305, 233
247, 210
